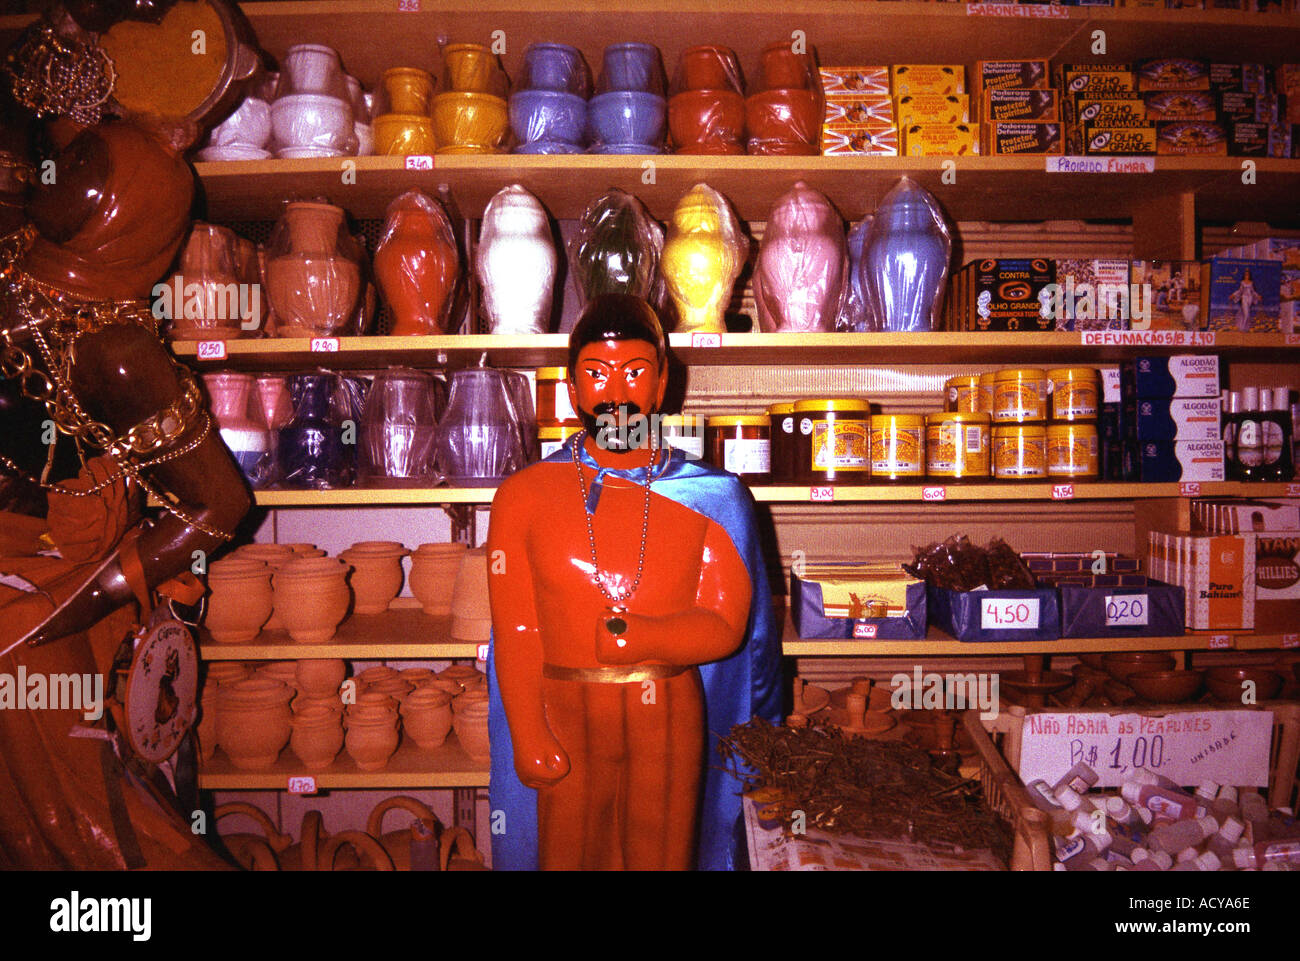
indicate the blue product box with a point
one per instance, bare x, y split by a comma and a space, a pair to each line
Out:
1181, 375
1178, 418
815, 604
1242, 295
1168, 462
1011, 615
1154, 610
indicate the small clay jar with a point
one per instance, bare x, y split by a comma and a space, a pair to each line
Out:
471, 615
433, 575
331, 702
317, 737
469, 678
312, 597
320, 677
470, 721
427, 716
239, 600
396, 687
253, 721
372, 675
207, 726
371, 741
783, 68
376, 577
373, 704
286, 672
417, 676
275, 556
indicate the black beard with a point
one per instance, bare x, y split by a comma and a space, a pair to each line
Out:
616, 437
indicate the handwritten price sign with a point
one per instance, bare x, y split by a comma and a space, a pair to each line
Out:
1220, 642
1189, 747
212, 350
419, 161
302, 784
324, 345
706, 340
1129, 610
1189, 489
864, 630
1062, 492
821, 495
482, 652
1013, 614
934, 493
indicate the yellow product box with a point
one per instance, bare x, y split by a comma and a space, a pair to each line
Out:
1012, 136
1030, 106
857, 109
872, 140
1137, 139
910, 78
856, 81
1094, 77
1018, 74
941, 140
932, 108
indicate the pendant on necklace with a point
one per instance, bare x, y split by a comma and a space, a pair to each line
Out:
615, 623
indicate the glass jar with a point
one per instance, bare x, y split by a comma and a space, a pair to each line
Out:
781, 418
1072, 451
554, 408
898, 447
958, 445
1020, 396
832, 442
685, 432
963, 394
1075, 393
740, 443
1020, 452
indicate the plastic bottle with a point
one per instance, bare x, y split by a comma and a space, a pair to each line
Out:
1162, 802
1142, 776
1226, 841
1147, 860
1250, 439
1255, 813
1225, 805
1205, 795
1072, 800
1204, 862
1180, 835
1260, 855
1275, 429
1079, 779
1060, 820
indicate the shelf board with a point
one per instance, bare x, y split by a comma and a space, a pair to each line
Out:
401, 632
409, 767
940, 347
978, 188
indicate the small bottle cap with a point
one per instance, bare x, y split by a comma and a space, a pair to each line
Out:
1185, 855
1250, 398
1058, 866
1139, 854
1145, 815
1208, 790
1234, 402
1101, 841
1070, 798
1265, 398
1244, 858
1162, 859
1209, 825
1228, 793
1231, 829
1130, 792
1209, 861
1117, 807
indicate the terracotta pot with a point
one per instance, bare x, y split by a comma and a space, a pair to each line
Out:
471, 726
275, 556
426, 717
372, 675
469, 122
239, 599
320, 677
409, 90
403, 134
707, 122
375, 580
471, 614
313, 269
708, 67
312, 597
330, 702
371, 742
253, 721
286, 672
396, 687
784, 122
197, 294
223, 672
433, 576
469, 678
1120, 664
417, 676
398, 843
446, 684
207, 726
1225, 683
317, 737
416, 265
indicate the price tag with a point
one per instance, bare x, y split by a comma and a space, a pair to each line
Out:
1290, 640
1220, 642
212, 350
1062, 492
706, 340
482, 652
1127, 610
1024, 11
1189, 489
419, 161
324, 345
408, 6
1014, 614
1293, 340
821, 494
864, 630
1293, 490
302, 784
934, 493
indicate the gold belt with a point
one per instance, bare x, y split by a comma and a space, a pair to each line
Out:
612, 675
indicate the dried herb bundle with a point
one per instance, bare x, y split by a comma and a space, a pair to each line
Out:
855, 785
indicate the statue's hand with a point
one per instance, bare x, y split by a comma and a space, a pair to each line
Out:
542, 764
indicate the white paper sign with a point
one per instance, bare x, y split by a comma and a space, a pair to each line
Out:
1014, 614
1127, 610
1189, 747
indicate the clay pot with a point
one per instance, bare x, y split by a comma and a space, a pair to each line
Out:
433, 576
468, 677
317, 737
373, 675
239, 600
426, 716
1165, 687
373, 705
313, 270
398, 843
286, 672
707, 122
206, 730
371, 741
445, 684
469, 123
376, 577
471, 614
416, 265
516, 263
396, 687
253, 721
784, 122
1120, 664
330, 702
312, 597
470, 721
403, 134
320, 677
783, 68
275, 556
702, 258
197, 296
1225, 683
417, 676
409, 90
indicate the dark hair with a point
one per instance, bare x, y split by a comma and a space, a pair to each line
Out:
617, 317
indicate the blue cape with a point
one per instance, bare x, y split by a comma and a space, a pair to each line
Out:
744, 685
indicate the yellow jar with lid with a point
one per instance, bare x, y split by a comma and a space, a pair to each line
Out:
1020, 452
1072, 451
986, 392
683, 431
831, 442
781, 417
962, 394
1020, 395
958, 445
898, 447
742, 444
551, 439
1075, 393
553, 407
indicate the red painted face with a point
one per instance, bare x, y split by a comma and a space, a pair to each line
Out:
612, 373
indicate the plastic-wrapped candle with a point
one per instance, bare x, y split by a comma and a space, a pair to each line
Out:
799, 280
906, 258
516, 263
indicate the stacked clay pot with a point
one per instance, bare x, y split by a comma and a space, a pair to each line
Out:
406, 127
312, 597
418, 676
240, 599
469, 678
253, 721
784, 116
433, 575
275, 556
376, 576
470, 720
427, 716
317, 735
372, 735
320, 678
218, 673
707, 114
471, 115
471, 615
313, 271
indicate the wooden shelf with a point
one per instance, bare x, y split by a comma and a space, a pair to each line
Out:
410, 767
404, 631
942, 347
984, 188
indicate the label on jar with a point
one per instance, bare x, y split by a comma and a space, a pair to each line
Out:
1019, 400
964, 399
691, 443
897, 451
563, 406
957, 449
787, 425
742, 456
839, 445
1073, 455
549, 447
1017, 455
1074, 399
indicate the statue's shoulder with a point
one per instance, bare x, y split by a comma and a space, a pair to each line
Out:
533, 485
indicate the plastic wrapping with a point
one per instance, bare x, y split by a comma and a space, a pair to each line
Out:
626, 122
784, 112
479, 440
236, 407
467, 122
855, 310
406, 90
312, 453
311, 115
706, 112
548, 121
906, 259
556, 67
209, 294
416, 264
800, 276
473, 68
631, 67
702, 258
314, 272
397, 430
400, 135
516, 263
617, 248
520, 392
311, 68
244, 135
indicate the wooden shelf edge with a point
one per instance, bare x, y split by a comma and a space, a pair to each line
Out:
941, 645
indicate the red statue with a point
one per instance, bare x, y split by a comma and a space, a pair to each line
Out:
600, 615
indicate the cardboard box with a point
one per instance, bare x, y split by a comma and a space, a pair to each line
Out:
1116, 108
1178, 418
1277, 580
1181, 105
1075, 78
1246, 138
1026, 615
1175, 293
1236, 516
1040, 106
1179, 375
846, 601
871, 140
941, 140
1094, 295
1016, 137
912, 78
1242, 294
932, 108
1191, 137
1236, 105
1007, 295
1217, 572
1018, 74
856, 110
856, 81
1173, 73
1169, 462
1153, 610
1134, 140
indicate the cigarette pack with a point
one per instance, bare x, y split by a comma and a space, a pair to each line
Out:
912, 78
1240, 294
1115, 108
1011, 137
1025, 105
850, 109
857, 81
1138, 139
869, 140
1173, 73
1217, 572
1173, 288
1178, 418
1020, 74
1167, 462
1179, 375
1277, 580
940, 139
1185, 137
932, 108
1181, 105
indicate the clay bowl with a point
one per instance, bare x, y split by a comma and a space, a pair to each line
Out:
1224, 683
1032, 690
1165, 687
1118, 692
1094, 660
1120, 664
